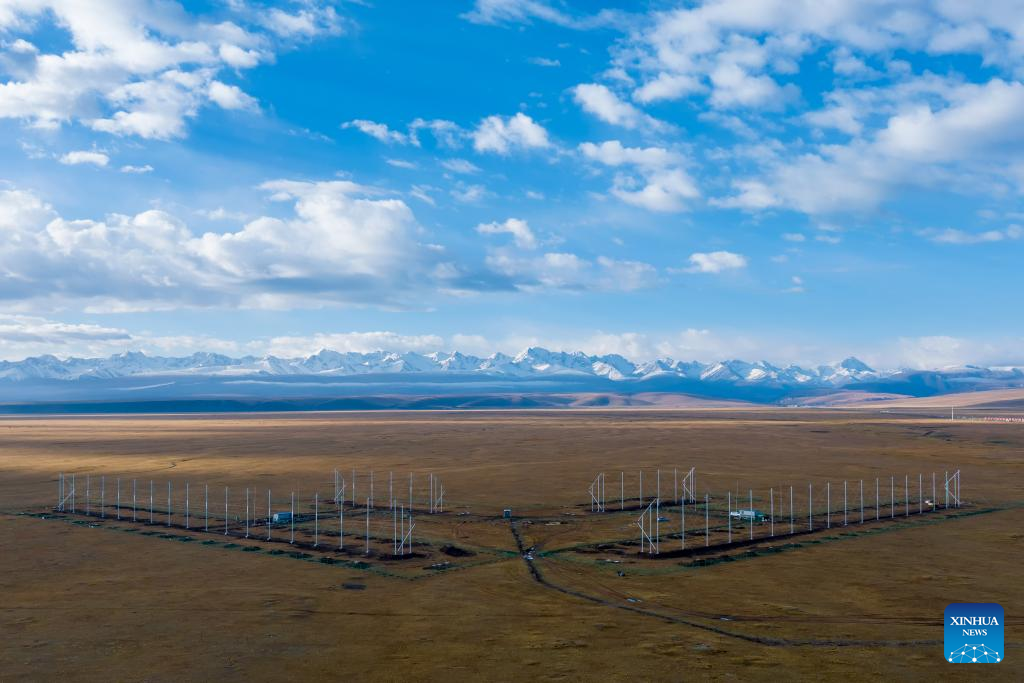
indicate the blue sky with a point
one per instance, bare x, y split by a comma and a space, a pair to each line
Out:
781, 180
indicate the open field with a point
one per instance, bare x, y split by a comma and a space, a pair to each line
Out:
967, 399
101, 598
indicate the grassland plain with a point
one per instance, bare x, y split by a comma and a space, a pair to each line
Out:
103, 599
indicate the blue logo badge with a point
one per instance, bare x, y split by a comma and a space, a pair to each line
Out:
974, 633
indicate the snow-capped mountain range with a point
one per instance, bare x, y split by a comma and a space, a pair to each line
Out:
533, 362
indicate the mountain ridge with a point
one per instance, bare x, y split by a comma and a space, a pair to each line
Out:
532, 363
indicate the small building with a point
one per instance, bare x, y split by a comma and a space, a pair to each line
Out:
281, 517
506, 513
748, 515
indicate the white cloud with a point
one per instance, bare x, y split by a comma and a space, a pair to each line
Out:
716, 262
141, 67
137, 170
567, 271
733, 86
600, 101
519, 229
357, 342
664, 191
307, 22
667, 87
468, 194
85, 157
378, 131
422, 193
460, 166
503, 135
222, 214
733, 49
340, 245
525, 11
752, 195
954, 236
660, 184
401, 163
544, 61
446, 133
230, 96
23, 335
613, 153
794, 237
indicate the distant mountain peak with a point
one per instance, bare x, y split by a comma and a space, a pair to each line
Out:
720, 378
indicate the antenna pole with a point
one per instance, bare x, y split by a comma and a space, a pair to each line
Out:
707, 528
771, 495
316, 519
657, 518
225, 510
186, 505
103, 495
729, 510
292, 539
682, 526
828, 505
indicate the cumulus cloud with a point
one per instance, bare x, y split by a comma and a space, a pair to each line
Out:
341, 244
85, 157
665, 190
137, 170
715, 262
230, 96
505, 135
613, 153
600, 101
144, 67
735, 52
657, 184
519, 229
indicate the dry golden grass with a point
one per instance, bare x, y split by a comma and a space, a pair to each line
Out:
104, 602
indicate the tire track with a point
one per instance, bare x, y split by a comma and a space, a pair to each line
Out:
539, 578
